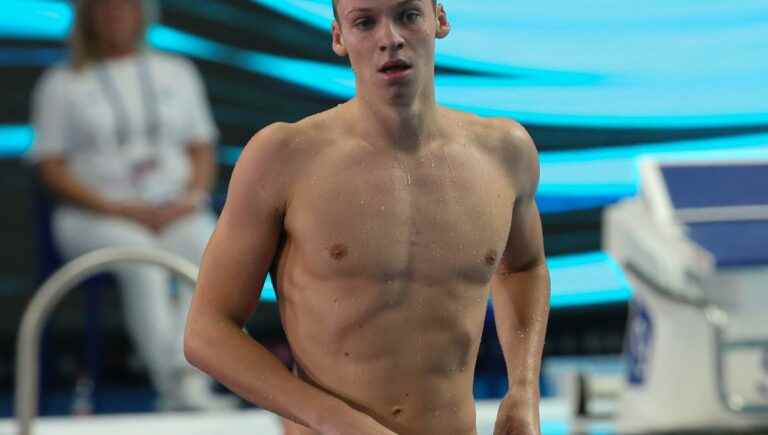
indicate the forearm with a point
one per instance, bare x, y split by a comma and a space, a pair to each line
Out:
246, 367
57, 178
521, 309
203, 162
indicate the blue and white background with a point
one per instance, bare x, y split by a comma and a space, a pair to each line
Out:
597, 83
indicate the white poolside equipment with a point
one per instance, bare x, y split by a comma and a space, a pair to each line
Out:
694, 245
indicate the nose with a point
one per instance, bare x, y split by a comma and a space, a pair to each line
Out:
391, 39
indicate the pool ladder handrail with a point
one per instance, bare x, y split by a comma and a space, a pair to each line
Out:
51, 293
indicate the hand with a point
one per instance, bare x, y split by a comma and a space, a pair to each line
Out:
189, 203
169, 213
517, 417
152, 217
357, 424
143, 214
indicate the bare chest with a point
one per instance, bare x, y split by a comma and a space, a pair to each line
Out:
441, 217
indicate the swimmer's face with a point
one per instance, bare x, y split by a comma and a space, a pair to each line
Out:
117, 23
390, 43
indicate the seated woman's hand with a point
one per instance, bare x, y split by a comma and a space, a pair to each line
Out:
169, 213
144, 214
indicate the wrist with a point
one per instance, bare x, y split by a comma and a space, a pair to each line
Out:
520, 400
110, 208
518, 413
333, 416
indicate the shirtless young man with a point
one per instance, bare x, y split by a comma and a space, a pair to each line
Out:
384, 221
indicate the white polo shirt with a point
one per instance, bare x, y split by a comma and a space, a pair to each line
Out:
104, 127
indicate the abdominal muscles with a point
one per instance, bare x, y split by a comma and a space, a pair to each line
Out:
402, 354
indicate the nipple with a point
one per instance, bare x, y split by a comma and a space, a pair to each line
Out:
338, 251
490, 257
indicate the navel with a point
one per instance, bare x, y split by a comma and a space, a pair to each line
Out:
338, 251
490, 257
397, 411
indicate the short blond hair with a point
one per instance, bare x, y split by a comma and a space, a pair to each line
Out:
83, 42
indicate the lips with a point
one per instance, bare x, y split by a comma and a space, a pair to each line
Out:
394, 66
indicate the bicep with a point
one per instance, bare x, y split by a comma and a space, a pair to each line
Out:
245, 241
525, 244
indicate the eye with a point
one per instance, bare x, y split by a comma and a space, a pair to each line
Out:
410, 16
363, 23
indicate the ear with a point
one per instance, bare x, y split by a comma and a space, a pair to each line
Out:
443, 26
337, 40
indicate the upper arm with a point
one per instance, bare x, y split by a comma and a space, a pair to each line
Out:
51, 117
246, 238
525, 244
199, 123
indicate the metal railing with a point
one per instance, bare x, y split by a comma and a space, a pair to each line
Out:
51, 293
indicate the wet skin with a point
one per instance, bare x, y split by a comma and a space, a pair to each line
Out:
384, 265
383, 222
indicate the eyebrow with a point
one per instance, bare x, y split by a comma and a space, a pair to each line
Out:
399, 4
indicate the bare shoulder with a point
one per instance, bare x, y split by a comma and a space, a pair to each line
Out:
517, 151
285, 146
256, 179
498, 134
507, 142
268, 148
278, 154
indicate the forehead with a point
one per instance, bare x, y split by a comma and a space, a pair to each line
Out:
343, 6
112, 3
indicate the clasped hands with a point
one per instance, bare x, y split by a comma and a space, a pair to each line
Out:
155, 217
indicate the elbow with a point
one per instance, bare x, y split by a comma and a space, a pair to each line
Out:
193, 346
190, 349
202, 339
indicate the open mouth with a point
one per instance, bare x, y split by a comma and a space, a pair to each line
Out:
394, 67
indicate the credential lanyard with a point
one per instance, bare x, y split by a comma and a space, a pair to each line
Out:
119, 110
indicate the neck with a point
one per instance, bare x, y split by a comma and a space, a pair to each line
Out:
114, 51
404, 126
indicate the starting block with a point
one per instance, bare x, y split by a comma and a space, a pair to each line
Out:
694, 246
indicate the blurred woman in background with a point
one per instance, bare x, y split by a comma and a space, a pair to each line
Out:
124, 140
